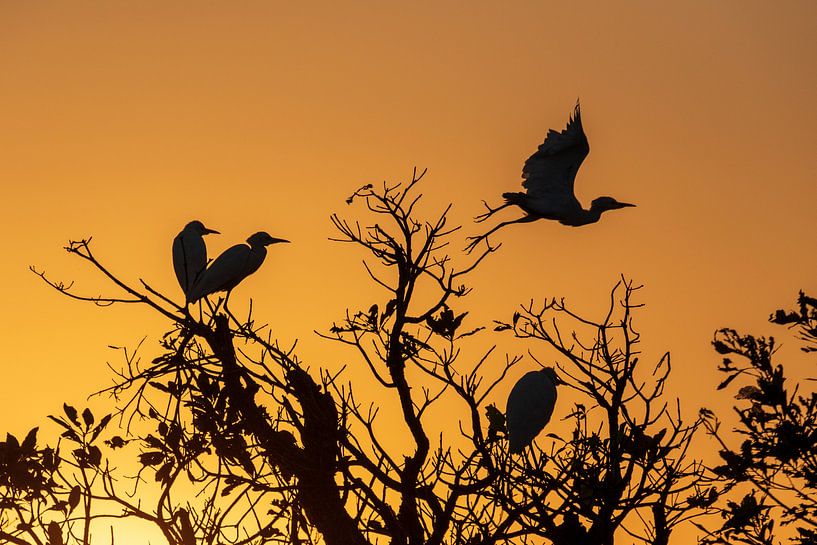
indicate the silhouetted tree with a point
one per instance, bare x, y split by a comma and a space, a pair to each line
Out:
625, 467
772, 472
239, 442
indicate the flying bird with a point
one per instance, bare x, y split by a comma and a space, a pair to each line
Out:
190, 254
233, 265
548, 178
530, 405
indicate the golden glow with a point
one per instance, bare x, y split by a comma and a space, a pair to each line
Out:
126, 120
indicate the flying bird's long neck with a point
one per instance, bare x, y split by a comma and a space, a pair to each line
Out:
256, 258
583, 217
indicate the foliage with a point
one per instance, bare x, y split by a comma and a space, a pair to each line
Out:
775, 463
46, 494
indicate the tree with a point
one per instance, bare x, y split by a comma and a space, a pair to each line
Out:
244, 444
625, 466
774, 468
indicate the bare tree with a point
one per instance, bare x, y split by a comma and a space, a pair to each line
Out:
239, 442
625, 467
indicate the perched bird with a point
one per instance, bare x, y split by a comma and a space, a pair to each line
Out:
548, 181
190, 254
233, 265
530, 405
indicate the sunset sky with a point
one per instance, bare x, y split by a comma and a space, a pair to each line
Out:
125, 120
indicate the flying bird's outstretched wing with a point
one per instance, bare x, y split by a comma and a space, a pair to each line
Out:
549, 173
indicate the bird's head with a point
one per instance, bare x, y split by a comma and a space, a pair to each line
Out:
550, 373
608, 203
198, 228
262, 238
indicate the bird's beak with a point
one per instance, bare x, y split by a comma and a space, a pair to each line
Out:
210, 231
624, 204
277, 240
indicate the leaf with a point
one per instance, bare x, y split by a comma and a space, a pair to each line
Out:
161, 387
748, 392
116, 442
54, 534
782, 317
154, 442
270, 531
12, 442
88, 417
247, 464
163, 475
30, 442
50, 459
101, 426
151, 458
94, 455
71, 435
71, 413
73, 497
390, 306
60, 421
372, 317
726, 382
500, 326
174, 437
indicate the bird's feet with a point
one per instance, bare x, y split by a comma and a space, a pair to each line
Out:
473, 242
490, 212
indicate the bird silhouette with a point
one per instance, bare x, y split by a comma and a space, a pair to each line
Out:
233, 265
548, 178
190, 254
530, 405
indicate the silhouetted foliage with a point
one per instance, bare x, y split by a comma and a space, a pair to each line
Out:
48, 493
238, 441
773, 468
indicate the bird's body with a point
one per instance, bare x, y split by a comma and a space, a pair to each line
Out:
233, 265
530, 406
549, 175
190, 254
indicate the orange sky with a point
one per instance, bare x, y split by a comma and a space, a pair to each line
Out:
126, 120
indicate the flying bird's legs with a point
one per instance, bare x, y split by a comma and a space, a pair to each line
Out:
476, 240
491, 211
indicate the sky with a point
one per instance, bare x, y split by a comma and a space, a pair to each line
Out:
123, 121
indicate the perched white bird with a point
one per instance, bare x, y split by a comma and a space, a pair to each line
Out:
530, 405
190, 254
548, 180
233, 265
